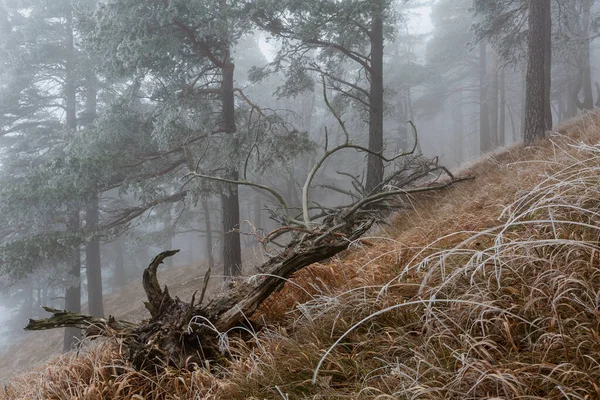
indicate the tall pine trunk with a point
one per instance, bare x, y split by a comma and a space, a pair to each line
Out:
537, 96
484, 112
230, 202
93, 265
375, 168
230, 205
73, 290
502, 117
523, 104
494, 103
547, 63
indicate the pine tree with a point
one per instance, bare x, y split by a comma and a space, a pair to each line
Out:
344, 36
538, 95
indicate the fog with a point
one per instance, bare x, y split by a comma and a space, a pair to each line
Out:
131, 127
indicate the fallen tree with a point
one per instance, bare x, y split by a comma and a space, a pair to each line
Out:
179, 333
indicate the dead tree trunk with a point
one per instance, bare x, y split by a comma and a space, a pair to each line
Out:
179, 332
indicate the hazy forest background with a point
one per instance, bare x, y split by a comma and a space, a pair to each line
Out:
130, 127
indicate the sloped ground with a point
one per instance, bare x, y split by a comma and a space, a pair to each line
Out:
487, 290
125, 303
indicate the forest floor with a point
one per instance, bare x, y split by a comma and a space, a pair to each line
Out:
124, 303
489, 289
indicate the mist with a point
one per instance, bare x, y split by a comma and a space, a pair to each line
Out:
127, 129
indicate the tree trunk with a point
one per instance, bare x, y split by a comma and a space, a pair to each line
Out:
484, 112
120, 277
547, 63
232, 255
228, 98
230, 203
209, 233
523, 104
375, 168
502, 118
573, 82
494, 103
93, 264
537, 96
73, 292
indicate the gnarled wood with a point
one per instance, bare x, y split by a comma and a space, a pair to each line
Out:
92, 325
182, 334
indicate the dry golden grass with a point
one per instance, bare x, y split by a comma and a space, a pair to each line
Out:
125, 303
487, 290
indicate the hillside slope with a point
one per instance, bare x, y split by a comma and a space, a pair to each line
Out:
124, 303
487, 290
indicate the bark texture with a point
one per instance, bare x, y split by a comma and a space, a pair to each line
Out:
547, 13
537, 95
375, 164
230, 206
230, 203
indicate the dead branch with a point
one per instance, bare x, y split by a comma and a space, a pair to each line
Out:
93, 326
